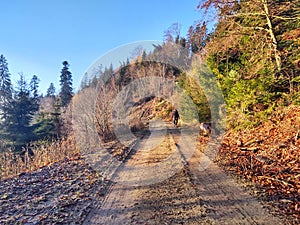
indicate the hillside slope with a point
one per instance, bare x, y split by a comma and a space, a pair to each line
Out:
268, 156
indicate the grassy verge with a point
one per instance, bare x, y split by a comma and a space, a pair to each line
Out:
36, 156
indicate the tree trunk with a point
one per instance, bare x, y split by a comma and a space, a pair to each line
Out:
273, 37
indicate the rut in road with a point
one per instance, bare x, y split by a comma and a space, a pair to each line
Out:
187, 196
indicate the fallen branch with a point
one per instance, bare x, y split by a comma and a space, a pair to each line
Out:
252, 149
297, 135
252, 142
277, 180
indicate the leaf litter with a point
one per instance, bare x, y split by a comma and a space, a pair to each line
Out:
269, 157
62, 193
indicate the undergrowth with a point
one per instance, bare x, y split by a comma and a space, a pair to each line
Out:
36, 155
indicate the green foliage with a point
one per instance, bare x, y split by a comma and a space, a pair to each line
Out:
51, 90
5, 88
20, 123
66, 92
196, 94
35, 98
16, 127
46, 126
254, 53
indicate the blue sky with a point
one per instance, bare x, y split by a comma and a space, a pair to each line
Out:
37, 36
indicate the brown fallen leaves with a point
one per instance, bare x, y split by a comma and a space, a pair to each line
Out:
62, 193
269, 156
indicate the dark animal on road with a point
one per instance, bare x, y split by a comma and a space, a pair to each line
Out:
205, 129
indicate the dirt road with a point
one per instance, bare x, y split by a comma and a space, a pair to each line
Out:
163, 185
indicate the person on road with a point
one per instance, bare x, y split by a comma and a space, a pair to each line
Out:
175, 116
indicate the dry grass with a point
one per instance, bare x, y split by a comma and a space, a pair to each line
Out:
12, 164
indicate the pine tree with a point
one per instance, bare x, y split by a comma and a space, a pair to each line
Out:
34, 85
94, 81
46, 126
84, 82
17, 124
5, 88
51, 91
66, 91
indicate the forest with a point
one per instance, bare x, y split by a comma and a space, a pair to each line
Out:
254, 52
27, 116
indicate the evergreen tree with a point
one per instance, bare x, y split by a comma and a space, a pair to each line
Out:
5, 88
94, 81
51, 91
46, 126
84, 82
108, 73
46, 123
17, 124
34, 85
66, 91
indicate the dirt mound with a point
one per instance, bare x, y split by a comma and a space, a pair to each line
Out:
268, 156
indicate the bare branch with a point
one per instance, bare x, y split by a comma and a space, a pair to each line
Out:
286, 18
247, 14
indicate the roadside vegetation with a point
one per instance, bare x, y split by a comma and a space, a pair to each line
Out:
253, 49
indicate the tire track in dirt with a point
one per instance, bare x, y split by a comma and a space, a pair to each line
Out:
226, 201
190, 196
